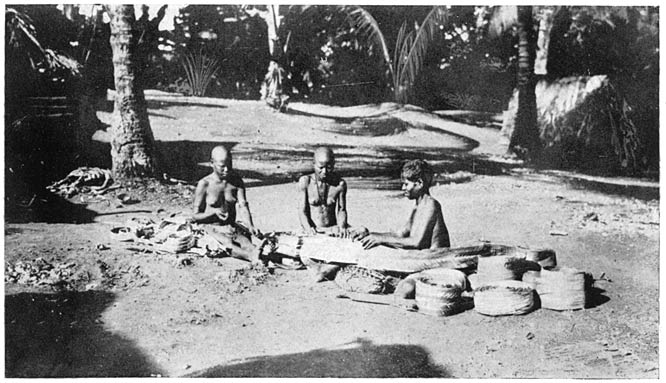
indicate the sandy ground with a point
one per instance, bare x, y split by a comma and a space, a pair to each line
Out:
136, 314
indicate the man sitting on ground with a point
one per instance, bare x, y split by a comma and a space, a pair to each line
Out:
322, 201
215, 201
425, 228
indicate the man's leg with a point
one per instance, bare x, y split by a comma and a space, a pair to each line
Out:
245, 249
237, 245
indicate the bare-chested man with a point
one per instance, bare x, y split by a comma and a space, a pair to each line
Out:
322, 201
215, 201
425, 228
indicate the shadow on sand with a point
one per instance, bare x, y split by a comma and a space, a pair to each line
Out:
61, 335
645, 193
338, 119
358, 359
165, 104
160, 103
187, 161
46, 207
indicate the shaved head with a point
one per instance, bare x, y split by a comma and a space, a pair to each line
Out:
324, 162
218, 152
324, 154
220, 159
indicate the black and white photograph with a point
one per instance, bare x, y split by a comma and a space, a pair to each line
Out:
331, 191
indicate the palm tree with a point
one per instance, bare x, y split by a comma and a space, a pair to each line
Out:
272, 87
132, 144
408, 57
410, 48
524, 140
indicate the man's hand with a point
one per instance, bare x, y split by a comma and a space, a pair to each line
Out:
255, 232
343, 232
309, 231
360, 234
371, 241
221, 214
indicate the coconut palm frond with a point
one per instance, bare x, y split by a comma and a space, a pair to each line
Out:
23, 37
22, 32
419, 45
502, 19
403, 46
362, 20
399, 53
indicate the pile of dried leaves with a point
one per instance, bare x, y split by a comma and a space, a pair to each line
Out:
39, 272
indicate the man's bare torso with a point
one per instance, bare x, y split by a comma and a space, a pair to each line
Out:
222, 194
437, 234
323, 199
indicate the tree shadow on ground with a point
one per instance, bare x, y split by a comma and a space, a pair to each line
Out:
623, 187
470, 117
60, 335
358, 359
165, 104
387, 127
45, 206
187, 161
338, 119
157, 104
162, 115
645, 193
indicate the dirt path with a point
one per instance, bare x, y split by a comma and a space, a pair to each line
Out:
134, 314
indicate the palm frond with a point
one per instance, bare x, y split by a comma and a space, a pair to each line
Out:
23, 37
22, 32
398, 53
410, 64
363, 21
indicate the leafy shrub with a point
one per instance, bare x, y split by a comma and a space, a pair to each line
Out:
200, 71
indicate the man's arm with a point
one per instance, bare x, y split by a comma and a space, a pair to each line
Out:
341, 215
200, 214
244, 210
304, 207
402, 233
421, 225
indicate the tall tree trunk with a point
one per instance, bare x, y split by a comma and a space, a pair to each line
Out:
273, 23
525, 138
272, 88
132, 145
543, 40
